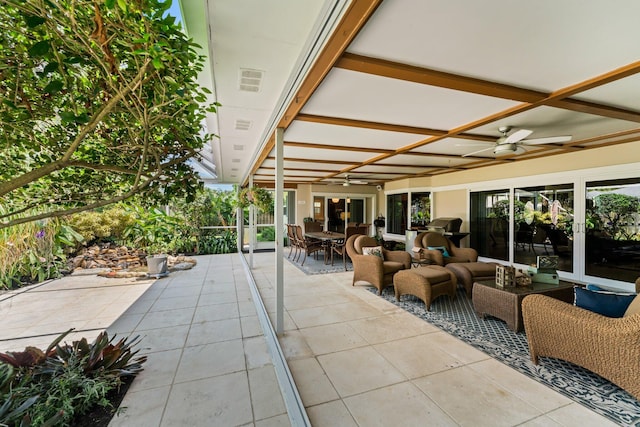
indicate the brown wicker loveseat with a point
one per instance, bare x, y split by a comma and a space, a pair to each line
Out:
610, 347
373, 269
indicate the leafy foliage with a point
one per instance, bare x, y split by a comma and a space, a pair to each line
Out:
258, 196
102, 225
47, 387
151, 230
34, 251
98, 102
611, 210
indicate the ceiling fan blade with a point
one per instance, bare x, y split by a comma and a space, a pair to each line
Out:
547, 140
518, 135
479, 151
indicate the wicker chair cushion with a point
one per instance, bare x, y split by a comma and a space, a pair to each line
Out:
434, 275
634, 307
391, 267
605, 303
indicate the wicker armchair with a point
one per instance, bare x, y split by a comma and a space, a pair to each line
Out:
610, 347
371, 268
428, 239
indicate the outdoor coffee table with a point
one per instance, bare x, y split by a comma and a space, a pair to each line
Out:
506, 303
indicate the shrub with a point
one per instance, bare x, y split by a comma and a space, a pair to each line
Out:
63, 381
268, 234
107, 224
35, 251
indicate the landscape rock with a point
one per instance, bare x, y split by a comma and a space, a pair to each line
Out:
120, 261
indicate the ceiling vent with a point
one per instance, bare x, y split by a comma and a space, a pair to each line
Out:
243, 124
238, 147
250, 80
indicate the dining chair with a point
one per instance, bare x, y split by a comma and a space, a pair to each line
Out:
338, 246
306, 245
293, 241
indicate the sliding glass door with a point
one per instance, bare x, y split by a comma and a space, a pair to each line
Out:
612, 229
344, 211
593, 226
544, 217
489, 221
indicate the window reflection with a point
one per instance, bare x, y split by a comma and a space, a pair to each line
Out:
420, 209
397, 205
490, 223
544, 224
612, 225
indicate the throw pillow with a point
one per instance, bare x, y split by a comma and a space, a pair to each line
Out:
634, 307
373, 250
607, 304
441, 249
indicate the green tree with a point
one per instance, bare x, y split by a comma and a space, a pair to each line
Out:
615, 208
98, 102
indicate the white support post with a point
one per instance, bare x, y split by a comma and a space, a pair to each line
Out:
279, 224
252, 225
239, 225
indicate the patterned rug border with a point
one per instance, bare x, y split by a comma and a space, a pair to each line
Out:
492, 337
312, 266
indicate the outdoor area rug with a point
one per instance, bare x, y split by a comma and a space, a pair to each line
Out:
317, 266
492, 336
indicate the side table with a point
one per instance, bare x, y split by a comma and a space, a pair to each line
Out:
506, 303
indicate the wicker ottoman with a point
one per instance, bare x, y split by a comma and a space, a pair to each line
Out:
469, 272
426, 283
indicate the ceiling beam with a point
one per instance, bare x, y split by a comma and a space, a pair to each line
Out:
336, 147
560, 99
337, 121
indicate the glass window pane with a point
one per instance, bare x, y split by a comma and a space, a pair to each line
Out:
356, 209
490, 223
420, 209
318, 209
544, 224
336, 214
612, 219
397, 205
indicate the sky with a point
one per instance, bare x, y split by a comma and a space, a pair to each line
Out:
174, 10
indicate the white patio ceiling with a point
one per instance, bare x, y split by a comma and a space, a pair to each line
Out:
382, 90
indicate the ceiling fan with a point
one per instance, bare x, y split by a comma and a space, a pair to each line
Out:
347, 181
510, 143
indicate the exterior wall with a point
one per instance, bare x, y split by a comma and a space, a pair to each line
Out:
304, 207
605, 156
451, 204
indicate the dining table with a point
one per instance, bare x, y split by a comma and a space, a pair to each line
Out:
326, 237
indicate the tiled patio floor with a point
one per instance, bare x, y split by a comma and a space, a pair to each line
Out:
357, 360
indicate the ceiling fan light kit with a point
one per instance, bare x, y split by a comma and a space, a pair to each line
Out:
505, 148
347, 182
507, 144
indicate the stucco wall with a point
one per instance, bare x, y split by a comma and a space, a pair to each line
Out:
451, 204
